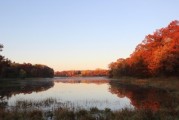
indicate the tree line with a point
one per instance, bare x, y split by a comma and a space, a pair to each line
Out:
10, 69
82, 73
157, 55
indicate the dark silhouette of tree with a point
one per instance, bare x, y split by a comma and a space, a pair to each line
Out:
1, 46
4, 63
10, 69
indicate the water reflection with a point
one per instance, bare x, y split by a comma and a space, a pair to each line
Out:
86, 92
9, 88
78, 92
88, 80
143, 98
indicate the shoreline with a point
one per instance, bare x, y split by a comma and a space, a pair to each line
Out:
171, 83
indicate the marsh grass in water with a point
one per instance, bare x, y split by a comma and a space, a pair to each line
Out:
31, 103
64, 90
56, 109
35, 112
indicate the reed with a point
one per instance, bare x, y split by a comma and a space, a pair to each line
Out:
28, 110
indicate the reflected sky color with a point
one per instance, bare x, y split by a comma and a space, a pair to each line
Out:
86, 92
82, 94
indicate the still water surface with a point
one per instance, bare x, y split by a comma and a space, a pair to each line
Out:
78, 91
84, 92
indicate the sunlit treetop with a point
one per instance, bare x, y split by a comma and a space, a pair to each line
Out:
158, 54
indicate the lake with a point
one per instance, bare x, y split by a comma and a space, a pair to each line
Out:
83, 92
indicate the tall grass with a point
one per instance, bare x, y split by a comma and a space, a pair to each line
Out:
28, 110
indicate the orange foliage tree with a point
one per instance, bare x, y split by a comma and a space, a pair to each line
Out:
84, 73
158, 54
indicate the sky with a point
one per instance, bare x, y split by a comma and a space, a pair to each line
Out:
79, 34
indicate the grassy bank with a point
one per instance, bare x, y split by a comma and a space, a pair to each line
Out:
169, 83
28, 110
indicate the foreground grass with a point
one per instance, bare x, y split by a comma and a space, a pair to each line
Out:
92, 114
28, 110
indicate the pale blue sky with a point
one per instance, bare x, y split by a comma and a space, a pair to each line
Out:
79, 34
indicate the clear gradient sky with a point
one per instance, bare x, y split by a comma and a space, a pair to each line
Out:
79, 34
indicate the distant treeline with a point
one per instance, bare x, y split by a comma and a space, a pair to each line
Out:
83, 73
10, 69
157, 55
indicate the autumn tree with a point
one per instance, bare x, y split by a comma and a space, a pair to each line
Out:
157, 55
84, 73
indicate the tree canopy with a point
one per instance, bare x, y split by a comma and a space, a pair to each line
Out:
83, 73
10, 69
157, 55
1, 46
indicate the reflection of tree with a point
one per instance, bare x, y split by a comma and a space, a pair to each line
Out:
12, 87
143, 98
